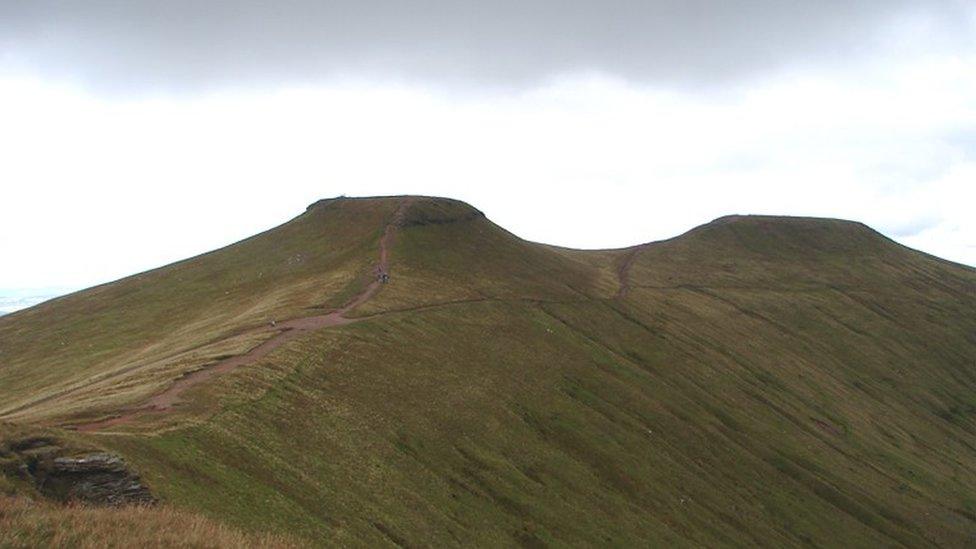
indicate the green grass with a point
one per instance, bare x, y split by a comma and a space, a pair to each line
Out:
766, 381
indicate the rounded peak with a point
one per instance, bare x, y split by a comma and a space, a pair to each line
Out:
384, 198
774, 221
424, 210
776, 235
343, 199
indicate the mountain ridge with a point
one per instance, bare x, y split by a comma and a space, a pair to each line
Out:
755, 381
724, 220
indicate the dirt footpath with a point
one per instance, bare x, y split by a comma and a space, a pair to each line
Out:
287, 331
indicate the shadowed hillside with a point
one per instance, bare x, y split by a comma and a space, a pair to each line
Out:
757, 381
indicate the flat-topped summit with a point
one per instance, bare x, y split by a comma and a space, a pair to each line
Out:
422, 209
777, 235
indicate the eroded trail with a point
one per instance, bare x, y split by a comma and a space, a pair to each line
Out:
287, 331
623, 272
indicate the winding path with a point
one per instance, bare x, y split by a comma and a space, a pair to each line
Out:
289, 330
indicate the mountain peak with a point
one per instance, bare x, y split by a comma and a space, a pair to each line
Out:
423, 210
778, 235
343, 199
770, 221
516, 393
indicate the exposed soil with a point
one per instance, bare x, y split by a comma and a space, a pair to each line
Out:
287, 331
623, 271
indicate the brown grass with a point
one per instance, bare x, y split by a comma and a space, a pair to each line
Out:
27, 523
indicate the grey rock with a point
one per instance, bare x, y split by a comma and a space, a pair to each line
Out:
98, 478
72, 475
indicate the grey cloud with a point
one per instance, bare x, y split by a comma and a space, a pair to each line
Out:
131, 44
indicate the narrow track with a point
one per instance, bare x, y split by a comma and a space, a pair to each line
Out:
623, 272
288, 330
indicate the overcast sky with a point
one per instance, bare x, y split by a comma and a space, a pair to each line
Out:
136, 133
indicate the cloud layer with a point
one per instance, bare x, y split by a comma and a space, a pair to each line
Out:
108, 187
137, 133
146, 46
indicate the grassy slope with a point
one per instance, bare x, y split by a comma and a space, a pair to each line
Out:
123, 340
780, 382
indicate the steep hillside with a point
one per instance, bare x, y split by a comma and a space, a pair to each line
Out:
757, 381
122, 341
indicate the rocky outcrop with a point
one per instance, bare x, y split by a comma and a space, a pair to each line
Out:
99, 478
95, 478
